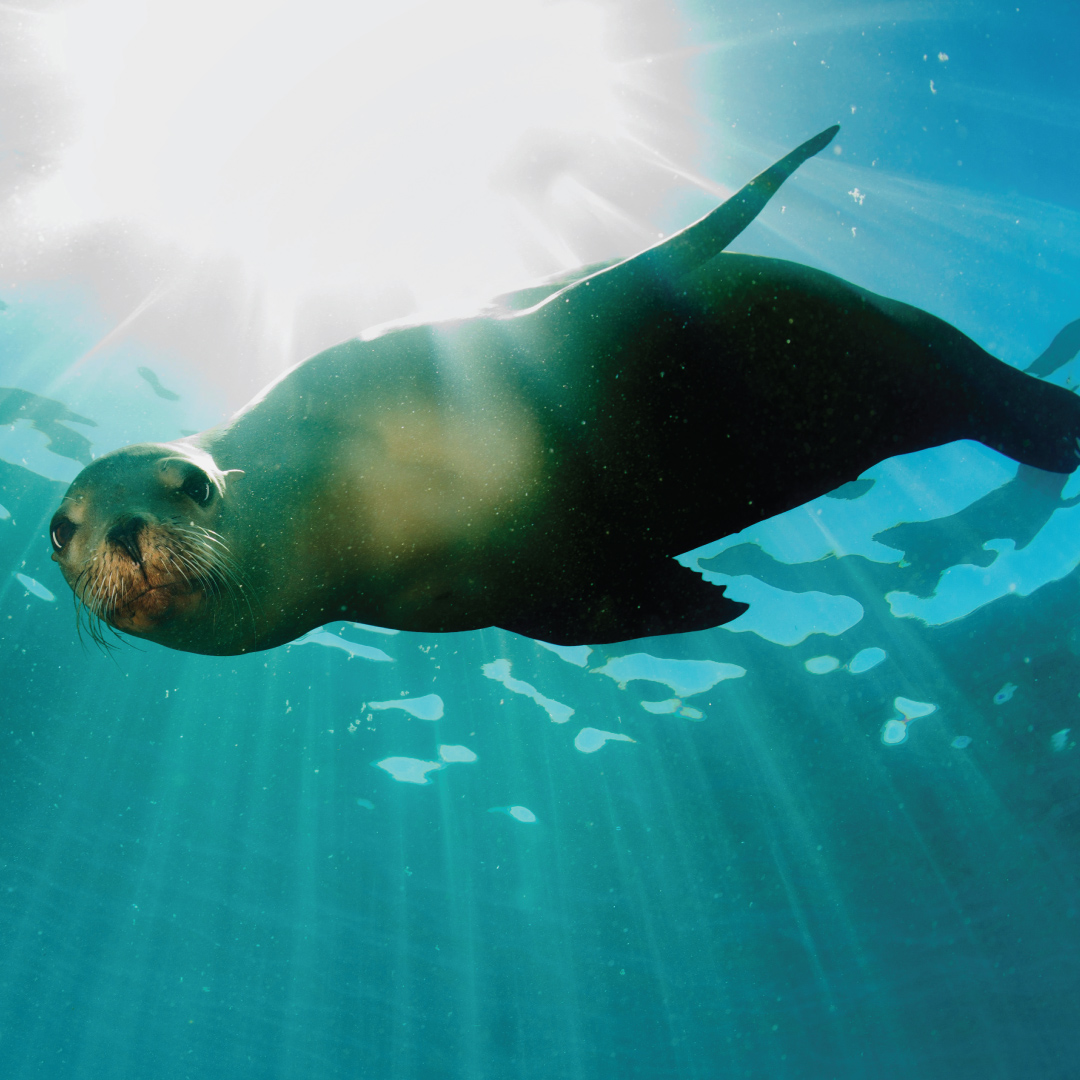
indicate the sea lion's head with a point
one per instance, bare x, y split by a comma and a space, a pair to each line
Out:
137, 539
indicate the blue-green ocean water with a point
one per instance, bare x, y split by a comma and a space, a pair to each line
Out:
285, 866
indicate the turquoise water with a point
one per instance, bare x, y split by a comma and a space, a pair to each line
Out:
837, 838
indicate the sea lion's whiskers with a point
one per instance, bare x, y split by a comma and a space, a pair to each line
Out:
223, 554
177, 561
213, 537
197, 560
86, 595
221, 567
238, 588
208, 559
80, 605
203, 574
217, 560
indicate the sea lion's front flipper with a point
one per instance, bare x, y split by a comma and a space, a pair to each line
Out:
631, 600
664, 597
661, 596
695, 245
689, 249
533, 294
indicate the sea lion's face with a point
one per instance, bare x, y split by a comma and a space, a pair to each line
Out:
136, 540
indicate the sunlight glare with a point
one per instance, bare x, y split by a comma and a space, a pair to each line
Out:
325, 143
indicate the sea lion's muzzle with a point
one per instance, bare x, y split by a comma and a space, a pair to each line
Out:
125, 535
140, 573
132, 569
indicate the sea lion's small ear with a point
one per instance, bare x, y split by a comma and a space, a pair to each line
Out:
223, 479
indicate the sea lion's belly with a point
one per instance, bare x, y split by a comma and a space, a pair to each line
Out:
420, 521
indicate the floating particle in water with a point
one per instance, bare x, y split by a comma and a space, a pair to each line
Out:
428, 707
590, 739
1059, 740
578, 655
519, 813
456, 753
912, 710
821, 665
961, 742
409, 770
685, 677
353, 648
866, 659
499, 670
367, 804
35, 587
1005, 693
894, 732
673, 705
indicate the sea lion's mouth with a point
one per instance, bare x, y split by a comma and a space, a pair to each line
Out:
154, 605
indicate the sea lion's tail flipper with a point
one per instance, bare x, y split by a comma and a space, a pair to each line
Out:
1059, 352
706, 238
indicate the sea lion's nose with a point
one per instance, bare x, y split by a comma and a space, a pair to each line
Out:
125, 534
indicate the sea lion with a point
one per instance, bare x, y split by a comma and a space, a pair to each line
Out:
537, 469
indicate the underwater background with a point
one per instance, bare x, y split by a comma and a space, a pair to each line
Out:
835, 838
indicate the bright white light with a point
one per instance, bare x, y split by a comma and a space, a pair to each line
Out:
327, 142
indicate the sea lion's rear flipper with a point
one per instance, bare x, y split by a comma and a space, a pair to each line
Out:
1059, 352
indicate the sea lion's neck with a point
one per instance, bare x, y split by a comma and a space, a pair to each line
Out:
387, 503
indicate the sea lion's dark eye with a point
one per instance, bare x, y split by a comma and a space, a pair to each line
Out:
61, 532
198, 488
